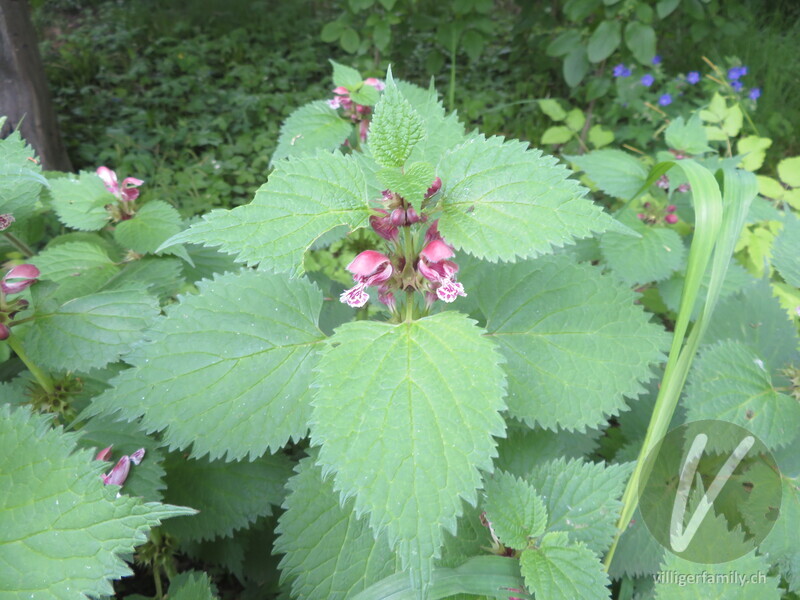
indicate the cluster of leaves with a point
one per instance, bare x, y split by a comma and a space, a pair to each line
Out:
398, 451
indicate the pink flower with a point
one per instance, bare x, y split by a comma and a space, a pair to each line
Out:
6, 221
19, 278
663, 182
376, 83
434, 266
119, 473
384, 226
104, 453
368, 268
671, 219
387, 297
684, 187
4, 331
432, 233
672, 208
127, 192
435, 187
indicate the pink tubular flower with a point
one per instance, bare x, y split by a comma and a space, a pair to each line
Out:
119, 473
104, 453
368, 268
127, 192
384, 226
376, 83
432, 233
435, 187
19, 278
434, 266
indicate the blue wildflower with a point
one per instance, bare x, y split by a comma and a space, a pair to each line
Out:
737, 85
735, 73
693, 77
647, 80
755, 94
656, 60
622, 71
665, 100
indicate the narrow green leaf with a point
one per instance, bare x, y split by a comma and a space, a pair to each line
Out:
516, 512
63, 534
90, 331
227, 370
559, 324
405, 421
396, 127
502, 201
328, 551
304, 198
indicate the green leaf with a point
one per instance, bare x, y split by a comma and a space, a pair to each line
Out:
665, 8
524, 448
304, 198
576, 344
191, 585
789, 171
740, 579
781, 543
755, 150
557, 570
615, 172
552, 109
603, 41
350, 40
152, 225
576, 65
159, 276
21, 179
227, 496
599, 137
396, 127
688, 137
729, 382
786, 251
563, 43
641, 41
516, 512
652, 257
670, 290
79, 201
227, 370
91, 331
312, 127
638, 552
556, 135
345, 76
443, 131
502, 201
365, 94
62, 532
755, 317
575, 119
79, 267
328, 551
403, 408
411, 183
331, 31
582, 498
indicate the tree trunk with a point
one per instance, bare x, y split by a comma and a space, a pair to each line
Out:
24, 96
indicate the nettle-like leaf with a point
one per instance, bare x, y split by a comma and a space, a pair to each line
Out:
652, 257
502, 201
395, 128
328, 551
91, 331
159, 276
781, 544
62, 532
228, 496
524, 447
638, 553
575, 343
405, 416
192, 585
21, 179
304, 198
152, 225
411, 183
517, 513
615, 172
560, 570
79, 201
754, 316
582, 498
79, 267
227, 370
736, 278
730, 382
345, 76
740, 579
310, 128
786, 251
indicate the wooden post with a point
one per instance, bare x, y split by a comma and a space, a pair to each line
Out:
24, 96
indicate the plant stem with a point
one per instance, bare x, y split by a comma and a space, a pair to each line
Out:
19, 244
157, 581
43, 378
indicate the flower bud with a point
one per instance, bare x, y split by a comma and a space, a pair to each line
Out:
672, 208
104, 453
19, 278
671, 219
383, 226
435, 187
398, 217
136, 457
4, 331
119, 473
